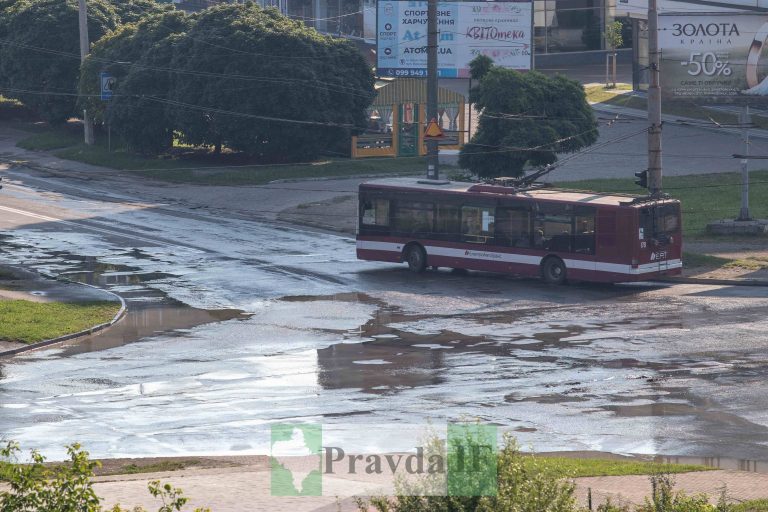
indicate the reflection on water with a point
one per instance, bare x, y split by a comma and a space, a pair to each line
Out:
148, 319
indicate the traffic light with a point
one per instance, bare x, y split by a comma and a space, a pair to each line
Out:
642, 178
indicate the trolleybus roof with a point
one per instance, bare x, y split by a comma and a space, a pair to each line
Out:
550, 194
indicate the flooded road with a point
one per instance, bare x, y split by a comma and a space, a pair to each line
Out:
238, 324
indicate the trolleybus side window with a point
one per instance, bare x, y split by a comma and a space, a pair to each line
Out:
375, 212
513, 226
414, 218
565, 228
477, 224
447, 221
584, 229
552, 227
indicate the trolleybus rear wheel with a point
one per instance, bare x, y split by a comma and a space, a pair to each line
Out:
416, 258
553, 270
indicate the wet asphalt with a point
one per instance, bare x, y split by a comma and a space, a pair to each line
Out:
235, 325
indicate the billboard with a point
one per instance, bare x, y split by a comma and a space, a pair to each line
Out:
500, 30
714, 57
639, 8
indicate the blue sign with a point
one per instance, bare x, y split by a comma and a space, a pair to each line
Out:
108, 83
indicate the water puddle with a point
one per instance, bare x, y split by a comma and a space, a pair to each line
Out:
150, 311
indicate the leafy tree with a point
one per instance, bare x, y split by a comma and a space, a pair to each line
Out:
523, 485
256, 81
131, 11
137, 55
614, 39
40, 57
526, 119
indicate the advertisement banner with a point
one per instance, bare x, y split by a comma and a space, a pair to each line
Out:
500, 30
714, 57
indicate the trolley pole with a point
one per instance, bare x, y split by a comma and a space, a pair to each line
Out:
654, 103
433, 171
745, 121
84, 44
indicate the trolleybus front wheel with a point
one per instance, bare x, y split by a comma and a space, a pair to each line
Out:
553, 270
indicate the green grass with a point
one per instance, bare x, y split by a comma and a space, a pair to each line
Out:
696, 260
576, 468
50, 139
199, 167
704, 197
203, 172
599, 94
30, 322
760, 505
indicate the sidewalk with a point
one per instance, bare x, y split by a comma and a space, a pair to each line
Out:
248, 488
633, 489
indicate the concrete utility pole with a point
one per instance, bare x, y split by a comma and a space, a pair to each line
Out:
84, 47
745, 121
433, 171
654, 102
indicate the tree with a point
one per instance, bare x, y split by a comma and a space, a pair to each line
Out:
526, 119
256, 81
131, 11
40, 58
138, 56
614, 39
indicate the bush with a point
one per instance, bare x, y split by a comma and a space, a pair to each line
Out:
66, 487
523, 486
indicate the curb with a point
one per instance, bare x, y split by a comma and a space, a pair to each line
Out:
725, 282
62, 173
85, 332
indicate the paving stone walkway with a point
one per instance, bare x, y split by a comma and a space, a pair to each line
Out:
247, 488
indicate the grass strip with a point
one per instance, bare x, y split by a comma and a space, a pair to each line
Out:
577, 468
705, 197
29, 322
619, 97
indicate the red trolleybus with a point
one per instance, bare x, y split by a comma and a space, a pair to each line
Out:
553, 233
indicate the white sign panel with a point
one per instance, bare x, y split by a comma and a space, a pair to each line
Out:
639, 8
500, 30
715, 56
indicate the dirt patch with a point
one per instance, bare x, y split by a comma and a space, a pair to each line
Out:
133, 466
730, 259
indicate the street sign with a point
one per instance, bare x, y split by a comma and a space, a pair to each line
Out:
433, 130
107, 83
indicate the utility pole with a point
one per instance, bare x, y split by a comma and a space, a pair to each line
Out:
654, 102
84, 47
433, 171
745, 121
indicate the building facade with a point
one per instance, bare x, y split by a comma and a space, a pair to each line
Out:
559, 25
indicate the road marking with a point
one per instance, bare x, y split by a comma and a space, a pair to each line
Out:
92, 228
